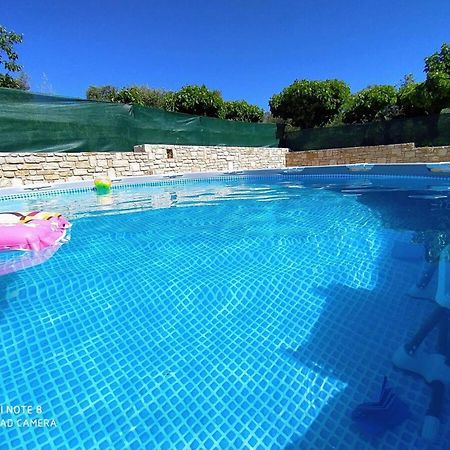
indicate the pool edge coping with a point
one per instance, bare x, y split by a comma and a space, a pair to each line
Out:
438, 171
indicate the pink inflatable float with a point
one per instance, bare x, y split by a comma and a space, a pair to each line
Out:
34, 231
40, 232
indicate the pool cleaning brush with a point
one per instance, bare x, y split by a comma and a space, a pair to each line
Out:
374, 418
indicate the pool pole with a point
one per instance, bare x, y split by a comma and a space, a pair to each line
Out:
433, 367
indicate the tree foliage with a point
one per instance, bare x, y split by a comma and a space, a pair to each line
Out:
198, 100
8, 61
432, 95
413, 99
243, 111
101, 93
169, 101
142, 95
437, 69
191, 99
310, 104
136, 95
369, 104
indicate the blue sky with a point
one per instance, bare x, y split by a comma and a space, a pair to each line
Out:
247, 49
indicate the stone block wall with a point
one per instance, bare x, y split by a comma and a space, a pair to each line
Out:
36, 168
396, 153
183, 158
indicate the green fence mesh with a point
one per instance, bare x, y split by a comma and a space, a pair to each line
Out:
423, 131
43, 123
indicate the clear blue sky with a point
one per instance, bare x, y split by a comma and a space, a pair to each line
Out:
247, 49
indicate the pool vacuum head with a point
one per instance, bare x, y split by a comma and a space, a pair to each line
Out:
373, 418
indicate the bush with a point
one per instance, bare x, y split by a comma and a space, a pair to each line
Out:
197, 100
309, 104
242, 111
141, 95
369, 104
101, 93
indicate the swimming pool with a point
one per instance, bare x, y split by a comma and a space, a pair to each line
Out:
230, 312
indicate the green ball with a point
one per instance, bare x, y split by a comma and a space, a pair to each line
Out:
103, 186
103, 189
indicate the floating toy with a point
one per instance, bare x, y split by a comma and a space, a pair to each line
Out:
373, 418
103, 185
35, 230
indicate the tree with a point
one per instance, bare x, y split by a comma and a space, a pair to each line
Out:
101, 93
437, 69
369, 104
8, 60
197, 100
309, 104
413, 99
242, 111
432, 95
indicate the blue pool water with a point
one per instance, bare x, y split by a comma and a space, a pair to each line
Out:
242, 313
